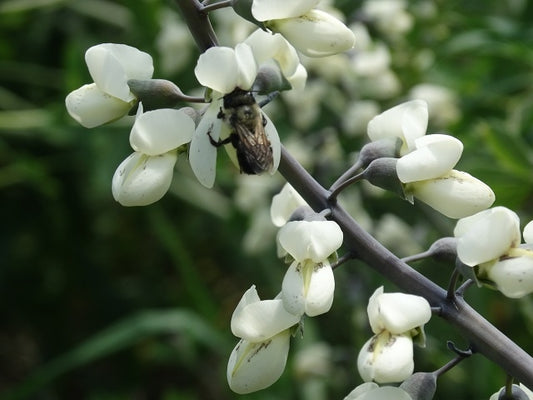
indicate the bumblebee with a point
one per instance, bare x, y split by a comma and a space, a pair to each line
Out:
243, 114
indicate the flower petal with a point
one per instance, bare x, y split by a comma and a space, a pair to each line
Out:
486, 235
315, 240
386, 358
247, 66
455, 194
255, 366
284, 204
528, 233
111, 65
315, 34
264, 10
261, 320
397, 313
159, 131
91, 107
408, 121
435, 155
202, 154
141, 180
272, 135
514, 276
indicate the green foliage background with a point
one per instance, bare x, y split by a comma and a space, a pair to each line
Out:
98, 301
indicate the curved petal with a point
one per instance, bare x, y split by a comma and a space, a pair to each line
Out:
217, 69
264, 10
159, 131
378, 393
386, 358
141, 180
284, 204
455, 194
528, 233
272, 135
435, 155
397, 312
320, 289
91, 107
246, 65
292, 289
486, 235
259, 321
315, 34
514, 276
249, 297
111, 65
202, 154
255, 366
408, 121
314, 240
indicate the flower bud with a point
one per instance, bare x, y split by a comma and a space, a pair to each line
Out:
270, 79
156, 93
382, 173
382, 148
421, 385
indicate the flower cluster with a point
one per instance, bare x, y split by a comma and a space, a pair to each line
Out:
395, 319
313, 32
425, 167
491, 241
264, 326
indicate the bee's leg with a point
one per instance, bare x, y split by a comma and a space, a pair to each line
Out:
268, 99
221, 114
220, 142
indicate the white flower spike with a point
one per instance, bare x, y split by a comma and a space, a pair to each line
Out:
109, 97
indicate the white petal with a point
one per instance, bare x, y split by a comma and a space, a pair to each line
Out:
249, 297
159, 131
217, 69
487, 235
455, 194
91, 107
360, 390
320, 291
259, 321
284, 204
272, 135
141, 180
315, 34
435, 155
528, 233
246, 65
264, 10
111, 65
202, 154
514, 276
408, 121
397, 312
255, 366
267, 46
298, 79
292, 289
378, 393
315, 240
386, 358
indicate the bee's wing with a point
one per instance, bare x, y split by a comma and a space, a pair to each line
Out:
256, 148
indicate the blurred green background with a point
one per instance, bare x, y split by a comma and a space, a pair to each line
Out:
98, 301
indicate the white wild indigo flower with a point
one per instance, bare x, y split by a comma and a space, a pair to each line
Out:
426, 163
259, 358
395, 319
313, 32
309, 284
284, 204
491, 240
109, 97
145, 176
372, 391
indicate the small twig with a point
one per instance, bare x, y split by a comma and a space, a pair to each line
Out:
341, 260
339, 188
450, 294
461, 289
207, 8
417, 257
347, 175
461, 355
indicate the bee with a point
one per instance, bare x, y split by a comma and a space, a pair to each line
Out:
243, 114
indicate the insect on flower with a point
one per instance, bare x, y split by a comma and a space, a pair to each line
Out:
243, 114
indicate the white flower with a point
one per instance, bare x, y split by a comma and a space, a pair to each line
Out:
315, 33
371, 391
397, 313
264, 10
386, 358
455, 194
512, 275
308, 288
145, 176
109, 97
407, 121
255, 366
523, 388
310, 240
432, 156
486, 235
284, 204
257, 320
